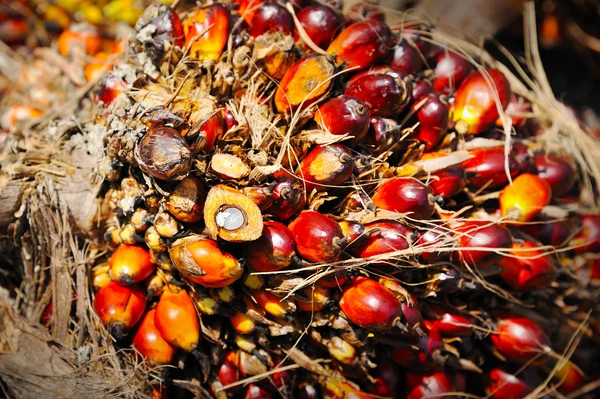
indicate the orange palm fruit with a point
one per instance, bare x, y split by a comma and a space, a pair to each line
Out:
87, 41
528, 268
270, 303
206, 31
130, 264
475, 107
242, 323
18, 113
306, 82
200, 259
148, 341
119, 307
523, 200
176, 319
95, 68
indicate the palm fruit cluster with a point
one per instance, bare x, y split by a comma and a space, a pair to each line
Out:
306, 203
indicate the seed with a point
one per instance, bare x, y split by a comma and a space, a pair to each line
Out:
101, 276
273, 251
362, 44
405, 195
242, 323
344, 115
130, 264
520, 339
326, 167
270, 17
154, 241
176, 319
151, 345
528, 268
186, 201
450, 71
320, 23
523, 200
120, 307
163, 153
318, 238
206, 31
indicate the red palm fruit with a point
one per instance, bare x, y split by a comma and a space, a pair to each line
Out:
389, 377
569, 378
318, 238
433, 237
288, 199
109, 89
451, 324
272, 304
407, 58
47, 314
344, 115
352, 230
384, 91
306, 82
130, 264
422, 386
405, 195
523, 200
433, 120
257, 392
485, 238
362, 44
365, 12
177, 320
320, 22
206, 31
247, 8
386, 237
556, 172
502, 385
270, 17
408, 303
413, 32
486, 168
448, 182
202, 261
326, 167
228, 372
528, 268
148, 341
274, 250
14, 31
334, 280
86, 41
520, 339
421, 88
475, 107
588, 237
120, 307
229, 119
317, 297
450, 71
517, 110
212, 130
549, 231
369, 304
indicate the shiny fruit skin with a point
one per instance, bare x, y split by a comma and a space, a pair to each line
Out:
177, 320
257, 392
163, 154
288, 199
120, 307
274, 250
451, 324
326, 167
588, 236
520, 339
422, 88
206, 31
148, 341
429, 385
109, 89
369, 304
557, 173
482, 234
550, 232
270, 17
272, 304
523, 200
433, 120
407, 58
130, 264
320, 22
211, 131
362, 44
450, 71
383, 91
449, 182
405, 195
475, 106
570, 378
391, 236
506, 386
318, 238
228, 372
486, 168
317, 297
344, 115
528, 270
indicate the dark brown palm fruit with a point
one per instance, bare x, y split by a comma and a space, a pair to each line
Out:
407, 58
344, 115
318, 238
163, 154
450, 70
161, 24
362, 44
384, 135
383, 237
432, 114
421, 88
405, 195
320, 23
231, 216
481, 234
486, 168
557, 173
288, 199
270, 17
383, 90
273, 251
326, 167
186, 201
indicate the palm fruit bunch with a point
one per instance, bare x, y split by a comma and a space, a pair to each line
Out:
306, 203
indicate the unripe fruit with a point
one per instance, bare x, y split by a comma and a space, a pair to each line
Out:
177, 320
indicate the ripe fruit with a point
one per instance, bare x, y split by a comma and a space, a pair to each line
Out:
320, 24
201, 260
450, 71
326, 167
206, 31
506, 386
569, 377
405, 195
274, 250
306, 82
480, 235
211, 130
130, 264
362, 44
407, 58
97, 66
520, 339
318, 238
186, 201
344, 115
385, 237
369, 304
313, 299
109, 89
242, 323
451, 324
120, 307
557, 173
148, 341
164, 154
288, 199
588, 236
270, 17
422, 386
486, 168
523, 200
433, 120
83, 41
549, 231
447, 182
475, 107
176, 319
272, 304
528, 268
